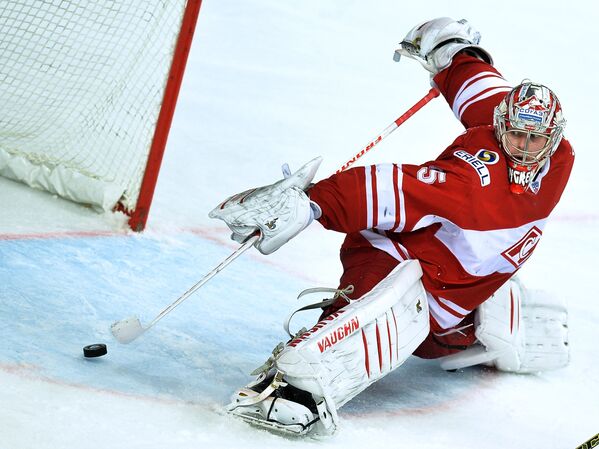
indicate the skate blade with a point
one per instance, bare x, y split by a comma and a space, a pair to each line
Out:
273, 426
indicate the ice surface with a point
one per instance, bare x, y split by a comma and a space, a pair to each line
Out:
272, 82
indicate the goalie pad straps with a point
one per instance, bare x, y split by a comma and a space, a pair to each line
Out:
362, 342
519, 332
338, 293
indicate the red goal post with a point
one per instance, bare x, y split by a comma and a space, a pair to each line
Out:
139, 215
89, 92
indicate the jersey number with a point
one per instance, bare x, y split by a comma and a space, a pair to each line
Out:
431, 175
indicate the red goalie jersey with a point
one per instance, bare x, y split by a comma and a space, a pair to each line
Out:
455, 214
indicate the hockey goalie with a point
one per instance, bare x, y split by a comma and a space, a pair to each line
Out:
431, 250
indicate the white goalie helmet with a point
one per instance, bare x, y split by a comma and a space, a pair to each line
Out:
529, 125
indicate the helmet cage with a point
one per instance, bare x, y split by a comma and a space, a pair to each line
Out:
532, 109
526, 147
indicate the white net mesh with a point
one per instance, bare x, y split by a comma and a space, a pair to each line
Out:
81, 84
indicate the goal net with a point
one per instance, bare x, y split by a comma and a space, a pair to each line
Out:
88, 90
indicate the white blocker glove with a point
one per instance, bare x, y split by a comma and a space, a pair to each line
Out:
436, 42
278, 211
520, 331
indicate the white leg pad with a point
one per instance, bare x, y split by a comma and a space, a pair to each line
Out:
346, 352
519, 331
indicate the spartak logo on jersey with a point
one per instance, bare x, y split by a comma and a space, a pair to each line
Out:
522, 250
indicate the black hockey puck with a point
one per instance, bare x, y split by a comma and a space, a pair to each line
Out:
96, 350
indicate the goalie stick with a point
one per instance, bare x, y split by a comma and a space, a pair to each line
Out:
433, 93
129, 329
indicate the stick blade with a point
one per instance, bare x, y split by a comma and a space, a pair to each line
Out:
127, 330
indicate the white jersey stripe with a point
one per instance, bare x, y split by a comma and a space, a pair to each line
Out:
396, 193
481, 97
385, 196
401, 249
473, 87
445, 319
369, 205
454, 306
470, 80
375, 196
479, 252
383, 243
402, 204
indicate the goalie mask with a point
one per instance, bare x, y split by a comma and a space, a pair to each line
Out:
529, 125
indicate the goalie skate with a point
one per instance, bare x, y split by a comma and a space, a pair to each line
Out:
271, 411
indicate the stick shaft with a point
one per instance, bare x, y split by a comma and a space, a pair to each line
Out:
433, 93
238, 252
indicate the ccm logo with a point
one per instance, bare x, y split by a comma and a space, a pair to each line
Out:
522, 250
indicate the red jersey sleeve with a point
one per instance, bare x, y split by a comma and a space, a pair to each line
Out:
392, 197
472, 89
